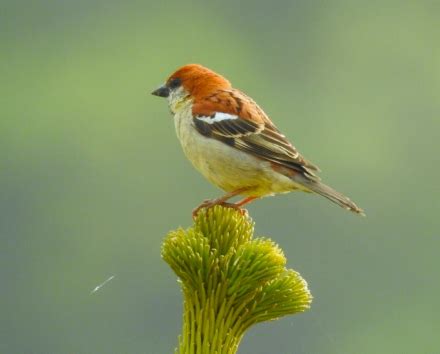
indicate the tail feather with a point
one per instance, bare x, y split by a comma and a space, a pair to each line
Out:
334, 196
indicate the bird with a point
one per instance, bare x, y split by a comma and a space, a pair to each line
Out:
234, 144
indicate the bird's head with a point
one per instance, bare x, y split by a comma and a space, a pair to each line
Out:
191, 81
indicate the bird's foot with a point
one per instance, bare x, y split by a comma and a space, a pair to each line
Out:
211, 203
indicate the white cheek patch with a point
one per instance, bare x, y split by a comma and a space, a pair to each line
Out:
176, 94
218, 117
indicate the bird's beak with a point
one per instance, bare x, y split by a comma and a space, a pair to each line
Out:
162, 91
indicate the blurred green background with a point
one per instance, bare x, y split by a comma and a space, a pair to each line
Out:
92, 176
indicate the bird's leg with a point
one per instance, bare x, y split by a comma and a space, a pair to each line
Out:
220, 201
245, 201
239, 204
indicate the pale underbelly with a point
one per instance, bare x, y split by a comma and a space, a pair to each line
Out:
231, 169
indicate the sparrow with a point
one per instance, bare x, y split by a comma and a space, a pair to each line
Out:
232, 142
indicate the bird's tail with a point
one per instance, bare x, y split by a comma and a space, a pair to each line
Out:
334, 196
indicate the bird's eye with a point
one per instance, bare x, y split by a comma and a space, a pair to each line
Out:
174, 83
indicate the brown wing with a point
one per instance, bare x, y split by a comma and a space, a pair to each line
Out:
235, 119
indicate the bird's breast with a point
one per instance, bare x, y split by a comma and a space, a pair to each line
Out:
197, 148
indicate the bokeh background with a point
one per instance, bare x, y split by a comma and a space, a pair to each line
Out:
92, 176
